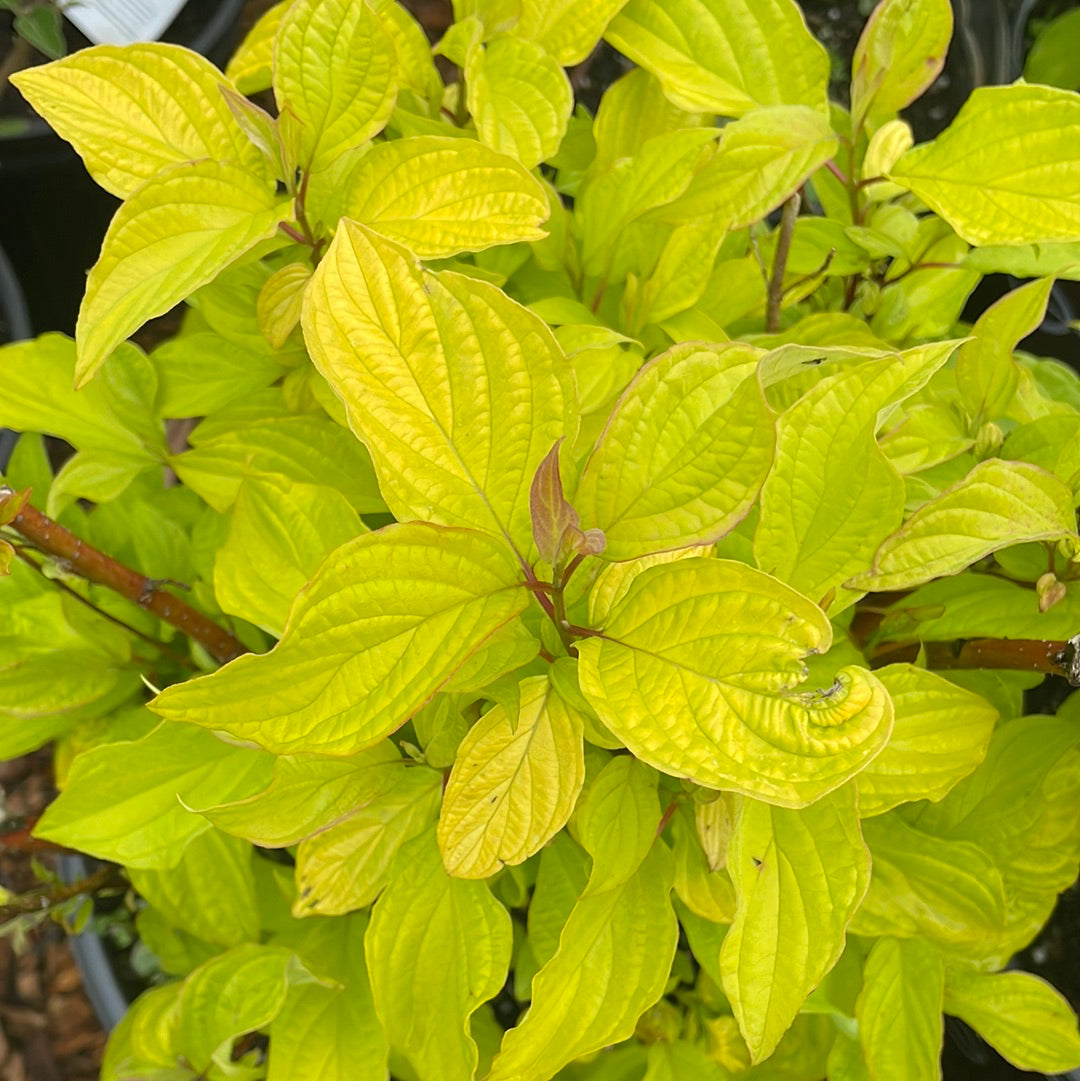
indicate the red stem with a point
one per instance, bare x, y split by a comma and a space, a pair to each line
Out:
87, 562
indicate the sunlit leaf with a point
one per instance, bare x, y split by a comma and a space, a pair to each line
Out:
382, 626
994, 173
697, 673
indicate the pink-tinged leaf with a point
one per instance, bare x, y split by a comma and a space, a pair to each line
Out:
552, 515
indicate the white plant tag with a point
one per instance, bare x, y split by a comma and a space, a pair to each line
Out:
120, 22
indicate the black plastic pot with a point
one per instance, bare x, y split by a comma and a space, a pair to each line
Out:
97, 965
54, 216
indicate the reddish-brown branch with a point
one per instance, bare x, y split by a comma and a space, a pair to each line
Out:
1016, 654
80, 558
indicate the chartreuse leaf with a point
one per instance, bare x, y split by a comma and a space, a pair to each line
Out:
306, 450
900, 53
763, 157
617, 945
684, 454
329, 1033
210, 893
697, 673
439, 195
1000, 804
173, 235
724, 57
346, 866
799, 875
1027, 260
145, 1037
384, 624
122, 801
201, 372
437, 948
994, 173
234, 993
279, 533
453, 387
899, 1010
305, 793
114, 415
1052, 442
948, 891
615, 199
833, 496
1021, 1016
618, 819
335, 71
940, 734
416, 66
986, 374
567, 29
249, 67
706, 891
280, 301
514, 783
519, 97
633, 110
997, 504
135, 111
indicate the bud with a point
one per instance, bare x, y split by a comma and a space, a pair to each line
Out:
1049, 591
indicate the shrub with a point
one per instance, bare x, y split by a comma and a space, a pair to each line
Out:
624, 595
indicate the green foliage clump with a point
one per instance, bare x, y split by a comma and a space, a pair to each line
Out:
628, 593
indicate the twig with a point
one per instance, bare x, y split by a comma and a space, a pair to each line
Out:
163, 647
80, 558
783, 248
1017, 654
45, 897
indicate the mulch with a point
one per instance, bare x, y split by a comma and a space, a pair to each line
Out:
48, 1031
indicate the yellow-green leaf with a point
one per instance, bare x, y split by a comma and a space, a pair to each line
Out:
684, 454
175, 234
833, 496
940, 734
345, 867
329, 1033
452, 386
209, 893
986, 374
900, 53
439, 195
308, 449
388, 619
899, 1011
280, 301
725, 56
948, 891
514, 783
612, 964
135, 111
250, 66
615, 199
995, 173
997, 504
799, 875
519, 97
437, 947
567, 29
763, 158
121, 801
1028, 1022
698, 673
307, 792
335, 71
279, 533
